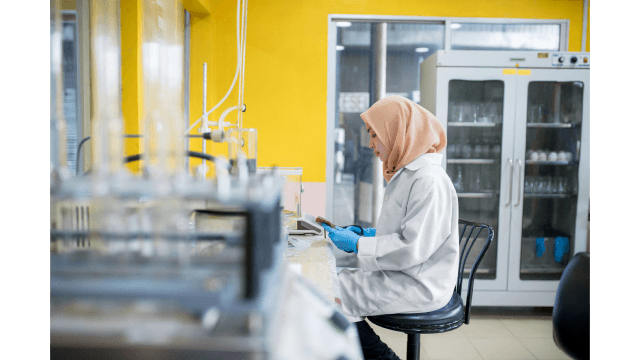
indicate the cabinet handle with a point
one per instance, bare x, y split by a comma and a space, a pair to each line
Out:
510, 180
519, 180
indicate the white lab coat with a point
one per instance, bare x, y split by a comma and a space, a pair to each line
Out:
411, 265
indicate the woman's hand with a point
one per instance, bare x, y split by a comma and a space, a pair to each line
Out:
368, 232
344, 239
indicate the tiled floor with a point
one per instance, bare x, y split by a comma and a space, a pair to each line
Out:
491, 334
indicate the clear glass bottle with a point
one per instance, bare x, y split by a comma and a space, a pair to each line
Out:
457, 182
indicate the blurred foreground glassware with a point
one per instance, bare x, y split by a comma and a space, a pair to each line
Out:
251, 144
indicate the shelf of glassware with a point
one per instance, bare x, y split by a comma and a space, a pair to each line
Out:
561, 163
493, 161
550, 195
553, 125
473, 124
478, 195
541, 270
472, 161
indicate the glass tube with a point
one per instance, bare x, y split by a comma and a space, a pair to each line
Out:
106, 113
250, 145
235, 144
163, 69
58, 124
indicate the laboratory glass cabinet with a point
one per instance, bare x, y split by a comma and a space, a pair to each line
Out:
517, 126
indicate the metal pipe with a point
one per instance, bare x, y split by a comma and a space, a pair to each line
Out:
187, 70
378, 90
243, 51
585, 21
203, 124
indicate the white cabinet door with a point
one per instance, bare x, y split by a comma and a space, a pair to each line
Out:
476, 107
551, 176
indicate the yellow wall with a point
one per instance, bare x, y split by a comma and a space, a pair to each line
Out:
68, 4
286, 63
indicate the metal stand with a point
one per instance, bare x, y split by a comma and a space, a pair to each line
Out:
413, 346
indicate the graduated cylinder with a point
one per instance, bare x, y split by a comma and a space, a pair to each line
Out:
163, 69
58, 130
106, 112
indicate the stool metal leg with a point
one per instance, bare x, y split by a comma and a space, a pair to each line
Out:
413, 346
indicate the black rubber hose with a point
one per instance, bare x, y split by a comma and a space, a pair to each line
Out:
78, 153
132, 158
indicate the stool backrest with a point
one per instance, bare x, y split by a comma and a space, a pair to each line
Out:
471, 231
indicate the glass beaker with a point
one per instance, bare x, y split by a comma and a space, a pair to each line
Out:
457, 182
457, 113
477, 152
245, 140
536, 114
466, 151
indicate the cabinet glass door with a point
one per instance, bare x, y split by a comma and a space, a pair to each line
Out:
474, 136
549, 177
479, 124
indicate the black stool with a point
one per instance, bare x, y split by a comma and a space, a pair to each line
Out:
441, 321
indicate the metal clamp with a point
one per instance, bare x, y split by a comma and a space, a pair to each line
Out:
519, 181
510, 181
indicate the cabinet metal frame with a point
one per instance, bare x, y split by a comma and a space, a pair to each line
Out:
442, 77
580, 235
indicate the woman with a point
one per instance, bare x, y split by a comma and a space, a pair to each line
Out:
409, 263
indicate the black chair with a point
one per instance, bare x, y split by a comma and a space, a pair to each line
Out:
571, 318
437, 322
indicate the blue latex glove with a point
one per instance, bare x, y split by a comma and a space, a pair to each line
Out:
344, 239
368, 232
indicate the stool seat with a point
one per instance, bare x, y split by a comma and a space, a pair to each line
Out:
424, 323
455, 313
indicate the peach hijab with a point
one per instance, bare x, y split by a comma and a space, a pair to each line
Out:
406, 129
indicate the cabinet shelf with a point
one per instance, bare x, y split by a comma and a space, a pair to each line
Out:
541, 270
553, 125
472, 124
486, 271
471, 161
549, 196
477, 195
532, 162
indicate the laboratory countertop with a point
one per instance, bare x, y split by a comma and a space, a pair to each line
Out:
313, 258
